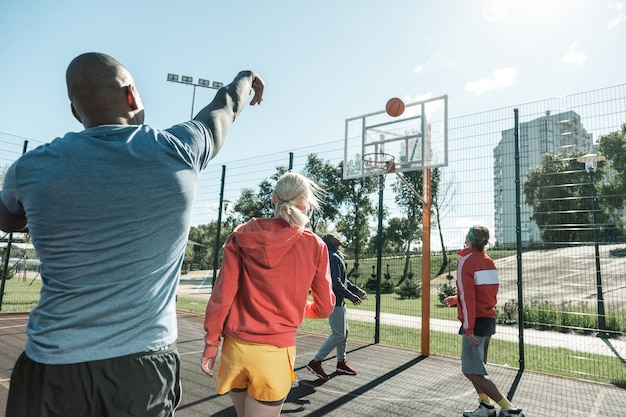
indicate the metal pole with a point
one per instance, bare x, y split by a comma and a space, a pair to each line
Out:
518, 233
426, 182
193, 101
5, 268
379, 255
188, 81
7, 254
601, 316
216, 247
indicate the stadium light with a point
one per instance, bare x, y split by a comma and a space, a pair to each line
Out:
591, 165
185, 79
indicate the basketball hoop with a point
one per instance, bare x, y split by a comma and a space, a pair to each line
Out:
377, 163
380, 163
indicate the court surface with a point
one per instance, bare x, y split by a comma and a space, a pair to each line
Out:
390, 382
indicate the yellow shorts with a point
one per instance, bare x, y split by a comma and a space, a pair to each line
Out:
265, 371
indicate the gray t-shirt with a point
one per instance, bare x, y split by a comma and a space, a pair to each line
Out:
109, 212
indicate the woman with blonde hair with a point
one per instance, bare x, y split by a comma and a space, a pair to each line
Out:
261, 296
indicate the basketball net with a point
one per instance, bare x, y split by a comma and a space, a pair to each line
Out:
376, 167
379, 164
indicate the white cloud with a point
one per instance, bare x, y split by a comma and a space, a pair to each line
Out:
613, 23
434, 107
494, 10
500, 78
422, 67
419, 97
574, 56
616, 21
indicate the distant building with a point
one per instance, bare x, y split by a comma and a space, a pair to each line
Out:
560, 134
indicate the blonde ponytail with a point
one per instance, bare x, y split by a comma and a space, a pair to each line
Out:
294, 197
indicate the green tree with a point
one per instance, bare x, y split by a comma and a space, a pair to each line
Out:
329, 178
441, 195
353, 223
257, 204
395, 235
558, 192
199, 247
613, 147
248, 205
3, 173
412, 208
200, 250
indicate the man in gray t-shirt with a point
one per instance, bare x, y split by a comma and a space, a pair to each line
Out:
108, 210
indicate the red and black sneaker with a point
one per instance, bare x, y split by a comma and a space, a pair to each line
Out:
315, 367
344, 368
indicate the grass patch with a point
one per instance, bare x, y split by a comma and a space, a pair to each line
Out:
192, 305
393, 303
395, 265
554, 361
21, 295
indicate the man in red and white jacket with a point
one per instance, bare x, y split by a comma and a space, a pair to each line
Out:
477, 290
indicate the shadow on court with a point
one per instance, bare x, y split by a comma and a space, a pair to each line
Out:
390, 382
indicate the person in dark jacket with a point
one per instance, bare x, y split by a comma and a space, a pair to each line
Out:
343, 289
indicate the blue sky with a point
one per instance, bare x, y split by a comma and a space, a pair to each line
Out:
322, 61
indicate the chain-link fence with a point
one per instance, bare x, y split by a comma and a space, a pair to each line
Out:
557, 234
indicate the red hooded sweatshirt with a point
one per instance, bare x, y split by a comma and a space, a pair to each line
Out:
477, 288
261, 292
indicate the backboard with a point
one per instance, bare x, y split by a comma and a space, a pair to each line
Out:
418, 139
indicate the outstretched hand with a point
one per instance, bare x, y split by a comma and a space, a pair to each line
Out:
258, 85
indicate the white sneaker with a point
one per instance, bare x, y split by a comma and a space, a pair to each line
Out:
483, 410
508, 412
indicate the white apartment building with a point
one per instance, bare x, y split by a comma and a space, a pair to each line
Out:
560, 133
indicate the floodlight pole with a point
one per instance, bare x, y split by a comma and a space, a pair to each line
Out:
591, 165
216, 248
216, 85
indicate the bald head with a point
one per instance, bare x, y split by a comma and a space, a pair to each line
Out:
102, 91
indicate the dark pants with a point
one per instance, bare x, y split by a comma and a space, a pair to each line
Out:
138, 385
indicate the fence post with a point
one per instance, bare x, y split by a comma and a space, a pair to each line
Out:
518, 233
5, 268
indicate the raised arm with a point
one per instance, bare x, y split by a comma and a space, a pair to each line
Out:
229, 101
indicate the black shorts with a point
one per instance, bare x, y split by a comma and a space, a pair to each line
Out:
143, 384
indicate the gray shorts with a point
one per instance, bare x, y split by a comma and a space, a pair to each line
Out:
473, 359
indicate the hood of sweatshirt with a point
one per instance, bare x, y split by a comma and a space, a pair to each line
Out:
266, 241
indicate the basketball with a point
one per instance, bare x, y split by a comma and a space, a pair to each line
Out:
395, 107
